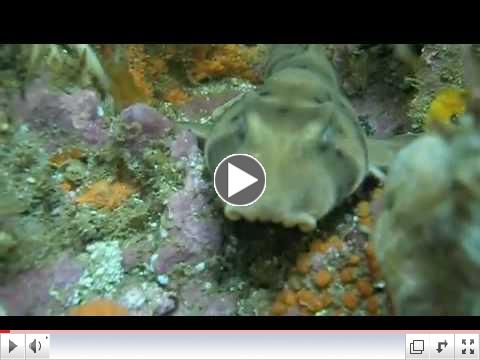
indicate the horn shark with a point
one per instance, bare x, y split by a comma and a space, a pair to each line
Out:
305, 132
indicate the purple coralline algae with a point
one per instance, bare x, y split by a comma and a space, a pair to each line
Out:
29, 293
196, 299
195, 232
143, 124
201, 105
74, 115
184, 145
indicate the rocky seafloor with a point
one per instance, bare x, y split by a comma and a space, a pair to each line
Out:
101, 202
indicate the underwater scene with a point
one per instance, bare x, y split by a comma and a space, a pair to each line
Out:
372, 162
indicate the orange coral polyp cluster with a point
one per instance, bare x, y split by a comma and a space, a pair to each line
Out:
176, 96
99, 307
323, 278
61, 158
138, 64
225, 60
350, 300
303, 263
362, 210
286, 299
343, 291
106, 194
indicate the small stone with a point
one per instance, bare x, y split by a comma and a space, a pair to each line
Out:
166, 307
163, 279
134, 298
3, 311
200, 267
208, 285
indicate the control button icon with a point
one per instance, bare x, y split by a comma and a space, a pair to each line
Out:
466, 346
38, 346
12, 346
240, 180
417, 346
442, 346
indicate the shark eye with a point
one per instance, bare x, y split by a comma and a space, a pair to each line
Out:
323, 146
239, 122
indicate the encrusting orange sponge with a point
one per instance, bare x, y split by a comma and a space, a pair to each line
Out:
99, 307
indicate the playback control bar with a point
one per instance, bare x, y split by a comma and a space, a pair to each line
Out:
238, 345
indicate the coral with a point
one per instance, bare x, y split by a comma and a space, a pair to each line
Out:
99, 307
447, 104
368, 210
123, 88
224, 60
157, 66
176, 96
138, 62
106, 194
338, 275
63, 157
323, 278
303, 263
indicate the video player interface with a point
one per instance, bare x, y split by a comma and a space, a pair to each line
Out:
240, 345
240, 180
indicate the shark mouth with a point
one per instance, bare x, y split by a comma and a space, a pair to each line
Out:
304, 221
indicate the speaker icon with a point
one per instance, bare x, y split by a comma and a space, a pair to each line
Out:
35, 346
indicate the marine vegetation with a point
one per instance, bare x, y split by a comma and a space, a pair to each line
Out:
107, 154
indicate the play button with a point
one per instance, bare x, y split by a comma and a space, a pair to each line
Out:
11, 346
239, 180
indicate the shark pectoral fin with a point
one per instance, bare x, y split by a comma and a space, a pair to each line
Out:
381, 152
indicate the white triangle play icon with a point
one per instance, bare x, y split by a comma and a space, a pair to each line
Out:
238, 180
